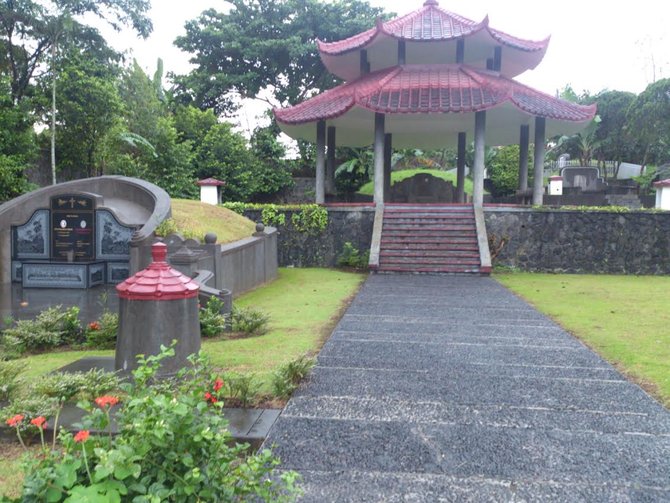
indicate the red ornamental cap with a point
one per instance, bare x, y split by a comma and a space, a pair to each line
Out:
210, 182
662, 183
555, 178
159, 281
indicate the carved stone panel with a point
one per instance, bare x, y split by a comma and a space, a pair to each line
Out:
113, 238
31, 240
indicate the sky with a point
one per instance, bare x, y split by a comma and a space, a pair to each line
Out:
595, 44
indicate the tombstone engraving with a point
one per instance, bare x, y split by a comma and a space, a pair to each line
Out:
72, 228
113, 238
31, 240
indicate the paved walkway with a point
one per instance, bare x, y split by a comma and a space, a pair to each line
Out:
452, 389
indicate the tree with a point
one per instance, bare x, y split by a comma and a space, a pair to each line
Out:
29, 28
504, 170
265, 45
89, 107
649, 121
17, 144
616, 143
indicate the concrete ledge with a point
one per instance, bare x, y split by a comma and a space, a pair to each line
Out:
482, 241
375, 246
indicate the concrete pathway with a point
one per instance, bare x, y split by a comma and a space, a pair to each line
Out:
446, 388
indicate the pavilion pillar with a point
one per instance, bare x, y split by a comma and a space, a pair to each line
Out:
330, 162
478, 168
524, 143
460, 169
538, 167
379, 159
320, 162
388, 156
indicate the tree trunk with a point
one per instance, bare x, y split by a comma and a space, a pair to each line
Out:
53, 114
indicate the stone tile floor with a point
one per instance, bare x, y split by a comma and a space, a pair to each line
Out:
450, 388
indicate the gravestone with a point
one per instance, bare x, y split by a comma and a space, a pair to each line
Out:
72, 228
422, 188
72, 244
584, 178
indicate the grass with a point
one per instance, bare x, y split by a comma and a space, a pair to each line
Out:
303, 304
624, 318
200, 218
398, 176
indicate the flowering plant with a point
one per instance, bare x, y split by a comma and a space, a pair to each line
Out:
170, 445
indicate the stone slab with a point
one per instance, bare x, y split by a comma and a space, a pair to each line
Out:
105, 363
472, 451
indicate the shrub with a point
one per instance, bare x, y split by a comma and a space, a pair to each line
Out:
351, 257
102, 334
51, 328
30, 407
212, 322
76, 385
241, 387
286, 378
172, 445
250, 321
9, 381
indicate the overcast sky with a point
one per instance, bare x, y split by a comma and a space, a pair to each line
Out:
595, 44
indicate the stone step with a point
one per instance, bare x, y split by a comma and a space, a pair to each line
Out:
424, 233
430, 253
427, 227
432, 240
437, 261
427, 248
430, 220
455, 269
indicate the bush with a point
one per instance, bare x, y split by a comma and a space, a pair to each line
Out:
351, 257
102, 334
67, 387
286, 378
241, 387
51, 328
172, 445
212, 322
9, 381
250, 321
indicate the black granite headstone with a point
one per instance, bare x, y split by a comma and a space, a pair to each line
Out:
72, 228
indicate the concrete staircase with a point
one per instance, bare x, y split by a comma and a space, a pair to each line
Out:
430, 239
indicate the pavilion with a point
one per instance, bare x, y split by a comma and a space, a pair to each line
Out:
430, 79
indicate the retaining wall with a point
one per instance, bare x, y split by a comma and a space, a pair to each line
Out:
580, 241
320, 249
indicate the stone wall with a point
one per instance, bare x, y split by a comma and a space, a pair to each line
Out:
580, 242
321, 249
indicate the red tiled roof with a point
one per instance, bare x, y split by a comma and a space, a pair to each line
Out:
210, 182
429, 23
159, 281
422, 89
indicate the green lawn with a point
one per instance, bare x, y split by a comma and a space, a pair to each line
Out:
304, 305
624, 318
398, 176
198, 219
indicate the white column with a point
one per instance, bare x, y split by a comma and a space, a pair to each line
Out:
388, 157
460, 168
478, 168
330, 163
524, 142
379, 159
538, 166
320, 162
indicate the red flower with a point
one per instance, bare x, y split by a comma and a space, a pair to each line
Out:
39, 421
81, 436
106, 400
218, 384
14, 421
94, 325
210, 398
